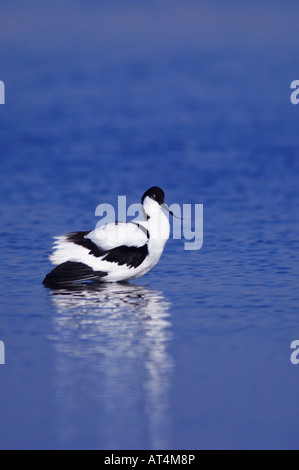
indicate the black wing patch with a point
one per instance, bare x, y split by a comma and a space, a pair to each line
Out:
132, 256
79, 239
71, 271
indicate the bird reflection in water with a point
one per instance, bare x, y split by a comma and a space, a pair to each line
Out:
111, 344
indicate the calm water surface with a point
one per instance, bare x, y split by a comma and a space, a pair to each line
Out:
195, 355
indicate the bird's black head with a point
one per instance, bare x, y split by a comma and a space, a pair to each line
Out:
155, 193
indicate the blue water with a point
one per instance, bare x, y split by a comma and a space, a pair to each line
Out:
106, 99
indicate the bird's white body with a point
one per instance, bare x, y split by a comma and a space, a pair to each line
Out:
115, 252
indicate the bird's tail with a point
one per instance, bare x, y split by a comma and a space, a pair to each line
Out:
70, 272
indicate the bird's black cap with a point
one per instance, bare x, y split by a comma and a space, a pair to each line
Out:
155, 193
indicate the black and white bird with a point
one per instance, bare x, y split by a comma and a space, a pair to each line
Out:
113, 252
